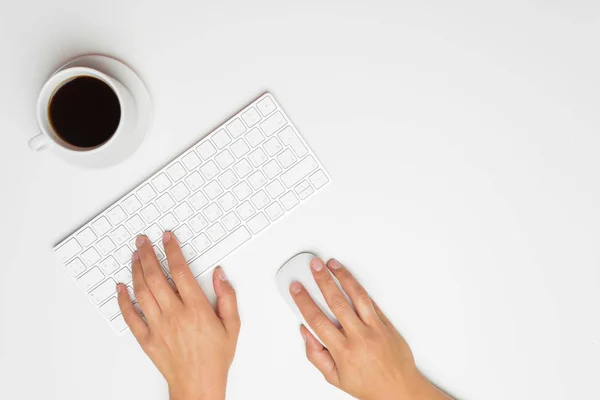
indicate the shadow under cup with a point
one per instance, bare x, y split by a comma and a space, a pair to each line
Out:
84, 112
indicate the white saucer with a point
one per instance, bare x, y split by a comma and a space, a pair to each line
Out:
131, 80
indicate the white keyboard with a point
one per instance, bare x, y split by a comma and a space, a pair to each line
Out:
216, 196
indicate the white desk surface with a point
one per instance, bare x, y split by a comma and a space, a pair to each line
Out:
463, 143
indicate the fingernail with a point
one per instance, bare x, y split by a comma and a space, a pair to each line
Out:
167, 237
140, 241
303, 335
334, 264
135, 256
221, 274
119, 287
316, 264
295, 287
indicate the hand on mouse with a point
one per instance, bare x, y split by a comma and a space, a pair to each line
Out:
367, 358
192, 345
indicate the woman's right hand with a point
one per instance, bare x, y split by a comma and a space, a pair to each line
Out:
367, 358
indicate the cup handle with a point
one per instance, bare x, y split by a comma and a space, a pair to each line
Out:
39, 142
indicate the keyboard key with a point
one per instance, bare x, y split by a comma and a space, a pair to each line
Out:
118, 323
239, 148
180, 192
120, 235
209, 170
245, 210
161, 182
109, 265
230, 221
153, 233
303, 189
123, 276
75, 267
165, 202
242, 191
146, 193
168, 222
191, 160
289, 200
258, 223
273, 123
198, 223
272, 169
257, 180
135, 224
286, 158
198, 201
159, 251
224, 159
68, 250
257, 157
275, 189
176, 172
105, 246
227, 201
188, 252
221, 138
86, 237
150, 213
272, 146
251, 117
220, 250
206, 150
318, 179
110, 308
216, 232
195, 181
242, 168
201, 242
123, 255
266, 106
299, 171
236, 128
183, 233
254, 137
274, 211
104, 291
116, 215
228, 179
90, 279
213, 190
101, 226
183, 211
290, 138
90, 257
260, 199
213, 212
131, 204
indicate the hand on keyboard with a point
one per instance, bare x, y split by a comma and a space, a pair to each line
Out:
367, 358
191, 344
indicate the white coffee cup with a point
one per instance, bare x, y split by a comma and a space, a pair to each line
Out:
121, 144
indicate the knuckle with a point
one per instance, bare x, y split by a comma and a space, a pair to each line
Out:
318, 321
338, 304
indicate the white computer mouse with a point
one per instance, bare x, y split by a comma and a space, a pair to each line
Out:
297, 269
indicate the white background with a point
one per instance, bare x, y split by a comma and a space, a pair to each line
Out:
462, 138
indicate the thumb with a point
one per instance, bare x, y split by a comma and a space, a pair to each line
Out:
227, 308
320, 357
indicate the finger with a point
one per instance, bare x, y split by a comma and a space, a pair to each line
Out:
154, 276
381, 315
320, 357
227, 308
143, 295
337, 302
180, 272
359, 296
316, 319
135, 323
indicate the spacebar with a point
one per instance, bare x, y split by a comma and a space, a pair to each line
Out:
220, 250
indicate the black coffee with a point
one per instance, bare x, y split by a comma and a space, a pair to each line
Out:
85, 112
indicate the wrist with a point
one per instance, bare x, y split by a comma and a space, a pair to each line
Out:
214, 391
